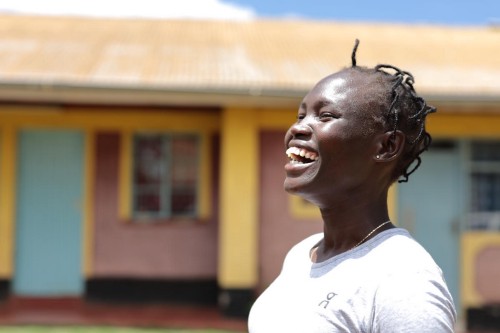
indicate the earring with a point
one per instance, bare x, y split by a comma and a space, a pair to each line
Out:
377, 157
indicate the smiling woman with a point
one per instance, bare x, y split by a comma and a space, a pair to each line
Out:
357, 132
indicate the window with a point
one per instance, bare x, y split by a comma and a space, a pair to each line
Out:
165, 175
485, 186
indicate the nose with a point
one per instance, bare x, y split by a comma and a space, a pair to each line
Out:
297, 131
300, 130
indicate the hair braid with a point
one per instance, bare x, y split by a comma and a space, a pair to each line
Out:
353, 54
406, 112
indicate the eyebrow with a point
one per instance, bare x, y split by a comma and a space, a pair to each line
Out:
321, 103
318, 105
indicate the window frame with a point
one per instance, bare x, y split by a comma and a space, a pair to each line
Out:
481, 219
126, 183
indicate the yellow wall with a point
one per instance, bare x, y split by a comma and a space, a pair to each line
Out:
462, 125
88, 197
7, 199
109, 119
238, 243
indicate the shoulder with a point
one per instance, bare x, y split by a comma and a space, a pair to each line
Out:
399, 252
421, 298
412, 287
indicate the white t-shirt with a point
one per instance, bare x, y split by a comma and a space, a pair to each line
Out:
388, 284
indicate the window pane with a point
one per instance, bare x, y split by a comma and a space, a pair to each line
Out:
148, 202
486, 151
485, 192
149, 173
165, 176
184, 174
485, 186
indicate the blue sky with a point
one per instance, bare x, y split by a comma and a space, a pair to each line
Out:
448, 12
454, 12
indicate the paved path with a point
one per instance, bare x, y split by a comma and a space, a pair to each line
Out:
75, 312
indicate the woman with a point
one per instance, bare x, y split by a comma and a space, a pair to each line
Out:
357, 132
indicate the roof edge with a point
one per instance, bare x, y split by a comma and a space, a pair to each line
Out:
147, 95
108, 94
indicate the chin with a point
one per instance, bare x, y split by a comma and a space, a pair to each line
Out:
291, 187
303, 190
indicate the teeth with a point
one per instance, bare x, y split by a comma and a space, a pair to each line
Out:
292, 152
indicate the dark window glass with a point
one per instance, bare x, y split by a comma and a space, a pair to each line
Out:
184, 176
486, 151
485, 192
165, 175
485, 186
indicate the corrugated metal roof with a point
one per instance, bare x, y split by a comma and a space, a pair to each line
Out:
233, 56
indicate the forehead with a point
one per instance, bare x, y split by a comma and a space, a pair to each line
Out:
350, 91
333, 82
346, 80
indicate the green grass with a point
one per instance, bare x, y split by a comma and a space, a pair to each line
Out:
90, 329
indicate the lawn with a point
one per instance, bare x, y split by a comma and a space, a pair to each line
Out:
107, 329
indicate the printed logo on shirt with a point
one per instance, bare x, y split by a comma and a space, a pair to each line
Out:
324, 303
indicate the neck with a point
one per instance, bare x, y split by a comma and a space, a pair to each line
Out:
347, 224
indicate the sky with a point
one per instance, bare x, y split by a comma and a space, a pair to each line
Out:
442, 12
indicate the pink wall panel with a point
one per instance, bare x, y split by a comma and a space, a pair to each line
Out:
487, 273
279, 231
157, 250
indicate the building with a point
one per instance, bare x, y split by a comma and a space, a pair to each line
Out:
94, 112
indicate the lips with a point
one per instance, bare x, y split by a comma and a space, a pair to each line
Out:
301, 155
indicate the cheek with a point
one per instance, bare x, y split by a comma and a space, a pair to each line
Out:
288, 137
345, 152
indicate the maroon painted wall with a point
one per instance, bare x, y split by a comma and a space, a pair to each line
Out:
186, 250
279, 231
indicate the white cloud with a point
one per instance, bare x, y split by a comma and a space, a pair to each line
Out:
193, 9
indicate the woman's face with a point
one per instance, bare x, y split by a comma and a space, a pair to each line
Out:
332, 146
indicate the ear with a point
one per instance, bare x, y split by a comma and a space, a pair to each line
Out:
390, 146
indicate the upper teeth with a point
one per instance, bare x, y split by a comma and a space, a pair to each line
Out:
295, 151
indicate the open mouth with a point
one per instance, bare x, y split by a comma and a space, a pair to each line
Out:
301, 155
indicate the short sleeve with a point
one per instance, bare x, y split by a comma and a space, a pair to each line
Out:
413, 302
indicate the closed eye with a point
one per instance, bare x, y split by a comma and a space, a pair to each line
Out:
327, 116
300, 116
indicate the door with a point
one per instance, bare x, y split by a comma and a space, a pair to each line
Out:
430, 208
48, 214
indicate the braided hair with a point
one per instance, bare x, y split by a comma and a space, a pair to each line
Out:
405, 111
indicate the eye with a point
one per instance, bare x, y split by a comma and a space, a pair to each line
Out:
301, 116
327, 116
